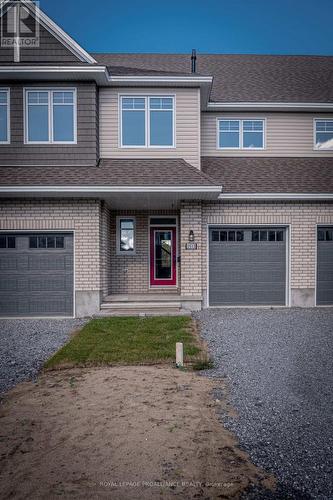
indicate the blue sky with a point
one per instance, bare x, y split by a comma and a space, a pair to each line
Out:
217, 26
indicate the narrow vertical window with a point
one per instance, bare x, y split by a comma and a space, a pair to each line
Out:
253, 134
4, 116
63, 116
126, 236
229, 134
161, 121
133, 120
38, 117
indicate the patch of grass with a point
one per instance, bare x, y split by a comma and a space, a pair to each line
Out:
205, 364
129, 340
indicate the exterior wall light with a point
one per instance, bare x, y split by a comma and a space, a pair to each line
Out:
191, 235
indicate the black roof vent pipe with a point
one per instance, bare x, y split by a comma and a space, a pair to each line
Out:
194, 61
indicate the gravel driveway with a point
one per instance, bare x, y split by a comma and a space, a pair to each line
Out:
279, 366
26, 343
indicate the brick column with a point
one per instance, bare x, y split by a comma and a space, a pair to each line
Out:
191, 276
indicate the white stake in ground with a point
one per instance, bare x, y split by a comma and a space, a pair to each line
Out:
179, 354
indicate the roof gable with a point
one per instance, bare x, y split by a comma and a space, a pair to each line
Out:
54, 45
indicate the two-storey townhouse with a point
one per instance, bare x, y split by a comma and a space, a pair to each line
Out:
162, 180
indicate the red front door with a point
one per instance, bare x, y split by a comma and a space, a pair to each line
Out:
163, 260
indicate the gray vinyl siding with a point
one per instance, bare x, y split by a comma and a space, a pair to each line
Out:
50, 50
85, 152
287, 134
187, 125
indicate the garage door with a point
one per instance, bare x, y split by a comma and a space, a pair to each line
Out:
36, 274
247, 266
325, 266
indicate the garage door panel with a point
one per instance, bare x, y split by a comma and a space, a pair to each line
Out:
247, 272
47, 263
8, 263
38, 281
324, 266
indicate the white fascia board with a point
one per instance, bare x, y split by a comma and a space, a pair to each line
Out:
101, 71
267, 106
54, 68
160, 79
276, 196
110, 189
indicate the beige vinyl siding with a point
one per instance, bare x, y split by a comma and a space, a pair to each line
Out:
287, 134
187, 125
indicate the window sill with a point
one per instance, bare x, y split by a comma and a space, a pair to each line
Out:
50, 144
147, 147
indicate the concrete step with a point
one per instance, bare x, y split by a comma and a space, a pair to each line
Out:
144, 297
143, 312
140, 305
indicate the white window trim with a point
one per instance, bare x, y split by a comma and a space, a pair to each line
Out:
240, 120
49, 90
315, 120
146, 97
7, 90
118, 220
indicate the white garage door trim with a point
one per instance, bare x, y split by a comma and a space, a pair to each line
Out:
287, 227
72, 231
318, 225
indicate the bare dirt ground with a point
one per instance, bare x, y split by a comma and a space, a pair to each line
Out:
122, 433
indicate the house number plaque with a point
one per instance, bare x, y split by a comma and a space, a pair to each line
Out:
191, 246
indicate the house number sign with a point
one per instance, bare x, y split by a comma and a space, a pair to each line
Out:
191, 246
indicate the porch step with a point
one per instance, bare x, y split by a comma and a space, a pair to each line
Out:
142, 312
143, 297
141, 305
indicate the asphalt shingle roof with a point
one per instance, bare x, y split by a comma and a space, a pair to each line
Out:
110, 172
241, 78
271, 175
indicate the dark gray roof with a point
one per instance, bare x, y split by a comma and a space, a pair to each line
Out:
271, 175
110, 172
242, 78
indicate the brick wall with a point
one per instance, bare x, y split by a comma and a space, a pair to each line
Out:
130, 273
191, 260
303, 217
83, 216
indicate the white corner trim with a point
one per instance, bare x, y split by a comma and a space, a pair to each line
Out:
276, 196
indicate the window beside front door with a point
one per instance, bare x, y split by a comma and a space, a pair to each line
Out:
50, 116
125, 236
147, 121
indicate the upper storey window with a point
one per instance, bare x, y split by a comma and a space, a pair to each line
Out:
147, 121
4, 116
323, 134
241, 134
50, 116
